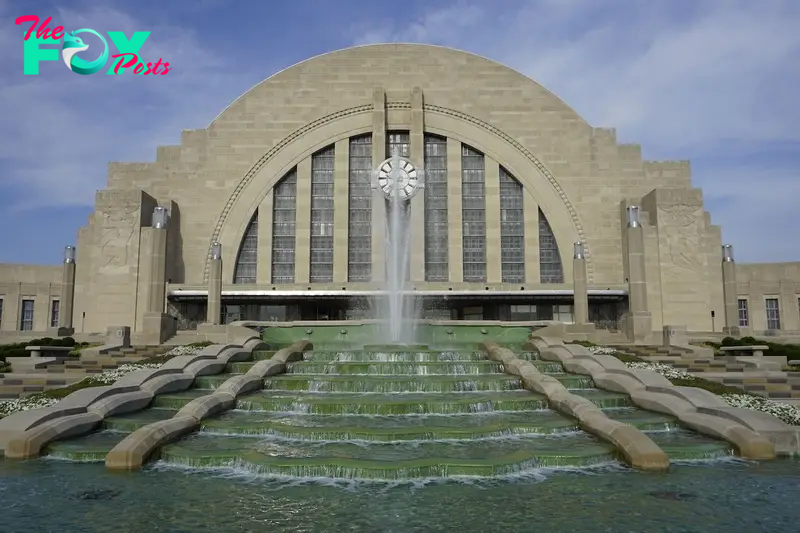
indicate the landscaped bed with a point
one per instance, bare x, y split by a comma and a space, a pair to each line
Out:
49, 397
734, 396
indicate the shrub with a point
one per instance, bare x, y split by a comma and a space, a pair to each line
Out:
790, 351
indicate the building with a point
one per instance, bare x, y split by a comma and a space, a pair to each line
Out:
513, 177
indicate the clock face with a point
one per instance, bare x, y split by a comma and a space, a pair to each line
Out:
398, 178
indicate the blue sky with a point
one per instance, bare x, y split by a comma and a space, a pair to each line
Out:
713, 81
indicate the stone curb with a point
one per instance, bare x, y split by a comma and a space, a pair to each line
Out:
755, 435
135, 449
23, 435
638, 450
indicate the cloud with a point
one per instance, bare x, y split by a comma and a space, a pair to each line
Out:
63, 129
714, 82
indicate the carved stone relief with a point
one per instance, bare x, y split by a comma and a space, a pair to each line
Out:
682, 250
117, 215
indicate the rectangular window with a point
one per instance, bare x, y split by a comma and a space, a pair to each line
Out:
773, 313
1, 313
359, 234
54, 309
562, 313
26, 320
473, 214
744, 314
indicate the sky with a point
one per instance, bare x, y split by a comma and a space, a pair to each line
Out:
715, 82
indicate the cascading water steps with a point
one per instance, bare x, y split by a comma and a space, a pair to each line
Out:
394, 413
95, 447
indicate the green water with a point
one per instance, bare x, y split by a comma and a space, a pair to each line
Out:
393, 414
398, 440
721, 497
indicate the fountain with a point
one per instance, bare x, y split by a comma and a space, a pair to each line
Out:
399, 181
442, 415
383, 421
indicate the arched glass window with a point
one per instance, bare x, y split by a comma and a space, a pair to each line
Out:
512, 229
550, 268
359, 231
284, 206
473, 214
436, 245
247, 260
321, 267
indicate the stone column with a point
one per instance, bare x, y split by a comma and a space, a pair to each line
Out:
214, 316
730, 292
157, 326
580, 287
265, 220
378, 198
637, 322
417, 139
66, 301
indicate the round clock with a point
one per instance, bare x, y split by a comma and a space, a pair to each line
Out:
398, 178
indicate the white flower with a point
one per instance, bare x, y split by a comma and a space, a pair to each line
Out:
660, 368
107, 377
601, 350
788, 413
36, 401
185, 350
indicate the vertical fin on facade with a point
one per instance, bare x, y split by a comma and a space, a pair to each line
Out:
247, 259
283, 228
436, 234
400, 141
473, 214
512, 229
359, 234
550, 267
321, 265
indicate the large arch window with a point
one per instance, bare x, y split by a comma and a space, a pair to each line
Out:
247, 260
436, 234
473, 214
284, 208
359, 231
400, 141
550, 268
321, 267
512, 229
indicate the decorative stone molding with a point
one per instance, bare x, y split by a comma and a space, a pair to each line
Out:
135, 449
638, 450
428, 108
755, 435
23, 435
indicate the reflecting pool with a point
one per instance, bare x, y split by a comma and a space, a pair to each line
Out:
727, 495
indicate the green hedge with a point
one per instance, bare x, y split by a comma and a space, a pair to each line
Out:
18, 349
790, 351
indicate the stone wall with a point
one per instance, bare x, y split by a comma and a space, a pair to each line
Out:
759, 281
42, 284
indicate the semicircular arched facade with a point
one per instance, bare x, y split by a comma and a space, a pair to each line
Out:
513, 177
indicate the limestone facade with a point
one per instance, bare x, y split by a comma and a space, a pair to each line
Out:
513, 177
